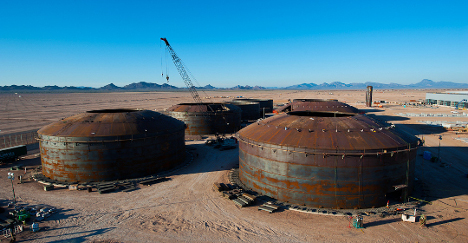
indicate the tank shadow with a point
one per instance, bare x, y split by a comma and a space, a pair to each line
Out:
421, 129
208, 159
387, 118
370, 110
414, 129
381, 222
444, 178
83, 238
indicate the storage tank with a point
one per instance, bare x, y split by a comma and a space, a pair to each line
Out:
266, 104
327, 159
205, 119
104, 145
322, 105
250, 110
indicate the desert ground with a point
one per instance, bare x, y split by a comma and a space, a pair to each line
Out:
186, 209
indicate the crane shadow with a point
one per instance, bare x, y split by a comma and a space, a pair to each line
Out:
443, 222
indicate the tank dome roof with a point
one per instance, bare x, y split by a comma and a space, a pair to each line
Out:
112, 123
328, 131
206, 107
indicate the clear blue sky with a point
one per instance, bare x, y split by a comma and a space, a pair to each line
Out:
226, 43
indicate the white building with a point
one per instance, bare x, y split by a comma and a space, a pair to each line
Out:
449, 98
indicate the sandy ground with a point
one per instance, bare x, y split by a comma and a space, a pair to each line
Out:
186, 209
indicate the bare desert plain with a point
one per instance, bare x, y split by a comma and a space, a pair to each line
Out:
186, 209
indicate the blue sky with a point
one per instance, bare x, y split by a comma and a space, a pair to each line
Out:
227, 43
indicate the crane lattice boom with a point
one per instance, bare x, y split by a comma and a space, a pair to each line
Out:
180, 67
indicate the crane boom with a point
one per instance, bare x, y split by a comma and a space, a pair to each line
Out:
180, 67
458, 104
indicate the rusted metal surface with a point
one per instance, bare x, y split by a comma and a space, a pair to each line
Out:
369, 96
213, 118
266, 104
316, 105
282, 109
250, 110
319, 160
322, 105
111, 145
16, 139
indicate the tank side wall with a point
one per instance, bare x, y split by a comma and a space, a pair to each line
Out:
322, 181
213, 123
67, 160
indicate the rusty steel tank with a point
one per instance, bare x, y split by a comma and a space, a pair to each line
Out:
322, 105
327, 159
208, 118
265, 104
114, 144
250, 110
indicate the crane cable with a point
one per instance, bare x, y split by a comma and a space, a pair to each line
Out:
167, 72
193, 77
165, 60
161, 56
185, 67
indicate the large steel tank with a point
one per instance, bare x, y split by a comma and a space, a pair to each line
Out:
322, 105
265, 104
326, 159
103, 145
205, 119
250, 110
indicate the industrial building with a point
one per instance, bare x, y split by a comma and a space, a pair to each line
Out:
449, 98
327, 159
104, 145
207, 118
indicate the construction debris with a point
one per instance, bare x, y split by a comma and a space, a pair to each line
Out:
358, 222
222, 143
220, 187
152, 181
244, 200
269, 207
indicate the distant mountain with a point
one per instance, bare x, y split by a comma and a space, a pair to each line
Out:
429, 84
247, 87
146, 86
302, 86
141, 86
424, 84
209, 86
19, 87
110, 86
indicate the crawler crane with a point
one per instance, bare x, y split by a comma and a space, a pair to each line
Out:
188, 82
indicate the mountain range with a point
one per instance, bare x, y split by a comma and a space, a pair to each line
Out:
145, 86
424, 84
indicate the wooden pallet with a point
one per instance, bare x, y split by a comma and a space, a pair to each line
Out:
268, 207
